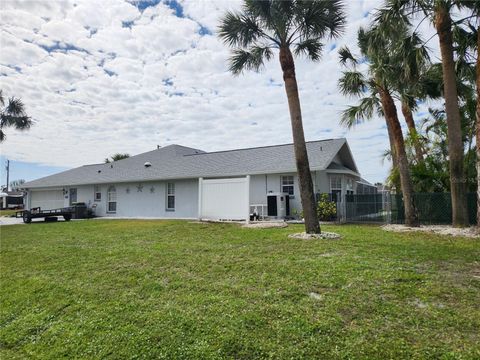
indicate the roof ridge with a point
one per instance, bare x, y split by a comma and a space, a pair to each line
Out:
261, 147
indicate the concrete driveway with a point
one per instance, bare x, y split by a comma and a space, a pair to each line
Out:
4, 220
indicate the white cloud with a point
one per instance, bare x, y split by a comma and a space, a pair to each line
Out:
105, 77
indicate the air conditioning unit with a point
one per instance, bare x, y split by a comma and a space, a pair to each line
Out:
278, 205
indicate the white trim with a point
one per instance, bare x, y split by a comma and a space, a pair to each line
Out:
248, 199
343, 172
200, 183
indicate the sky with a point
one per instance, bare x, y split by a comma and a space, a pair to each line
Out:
102, 77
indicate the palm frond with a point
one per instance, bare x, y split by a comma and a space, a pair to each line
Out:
352, 83
2, 101
251, 59
346, 55
15, 107
310, 47
357, 114
320, 18
18, 122
239, 30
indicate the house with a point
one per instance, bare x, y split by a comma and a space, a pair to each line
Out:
185, 183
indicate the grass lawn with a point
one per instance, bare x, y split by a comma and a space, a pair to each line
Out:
8, 212
171, 289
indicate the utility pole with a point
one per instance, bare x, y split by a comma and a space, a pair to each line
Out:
8, 174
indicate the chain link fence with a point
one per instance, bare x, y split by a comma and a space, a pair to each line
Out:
386, 208
432, 208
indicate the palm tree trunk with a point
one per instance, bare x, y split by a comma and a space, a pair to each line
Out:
477, 130
407, 114
391, 138
303, 168
443, 24
391, 117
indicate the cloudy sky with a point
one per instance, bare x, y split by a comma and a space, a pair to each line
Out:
100, 77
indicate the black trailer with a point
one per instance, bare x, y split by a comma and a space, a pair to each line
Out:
49, 215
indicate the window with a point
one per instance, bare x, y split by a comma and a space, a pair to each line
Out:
349, 187
170, 196
97, 193
336, 188
112, 199
73, 195
287, 185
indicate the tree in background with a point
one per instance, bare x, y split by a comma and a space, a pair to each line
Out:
472, 44
12, 115
116, 157
16, 185
294, 28
439, 13
390, 58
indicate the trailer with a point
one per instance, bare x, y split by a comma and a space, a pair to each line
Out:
48, 215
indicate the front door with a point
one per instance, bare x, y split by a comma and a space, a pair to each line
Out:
73, 196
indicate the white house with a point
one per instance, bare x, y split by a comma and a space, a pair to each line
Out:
185, 183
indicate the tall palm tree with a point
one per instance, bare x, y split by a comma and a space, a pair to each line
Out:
474, 26
439, 12
294, 27
12, 115
385, 71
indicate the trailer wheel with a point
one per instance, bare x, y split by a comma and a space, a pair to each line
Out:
67, 217
27, 219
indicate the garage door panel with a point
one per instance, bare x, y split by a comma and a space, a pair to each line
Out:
224, 199
47, 199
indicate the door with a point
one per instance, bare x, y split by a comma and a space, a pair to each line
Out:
47, 199
224, 199
73, 196
272, 205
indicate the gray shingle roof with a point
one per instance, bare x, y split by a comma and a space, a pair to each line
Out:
180, 162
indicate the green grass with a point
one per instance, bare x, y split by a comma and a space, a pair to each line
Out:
179, 290
8, 212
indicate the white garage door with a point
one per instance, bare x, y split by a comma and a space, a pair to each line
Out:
224, 199
47, 199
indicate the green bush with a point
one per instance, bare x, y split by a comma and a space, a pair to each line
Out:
326, 209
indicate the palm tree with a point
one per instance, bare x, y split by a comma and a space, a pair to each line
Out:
295, 28
12, 115
474, 26
384, 57
439, 12
116, 157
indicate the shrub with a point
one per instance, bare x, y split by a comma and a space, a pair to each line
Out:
326, 209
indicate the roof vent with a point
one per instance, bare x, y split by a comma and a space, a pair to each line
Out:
147, 164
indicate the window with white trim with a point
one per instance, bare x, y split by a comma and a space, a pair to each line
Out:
336, 188
112, 199
287, 185
97, 196
170, 196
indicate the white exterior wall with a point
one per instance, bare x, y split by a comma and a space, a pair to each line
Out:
148, 204
261, 185
144, 203
152, 204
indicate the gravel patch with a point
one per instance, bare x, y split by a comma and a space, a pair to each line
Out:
266, 224
323, 235
436, 229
